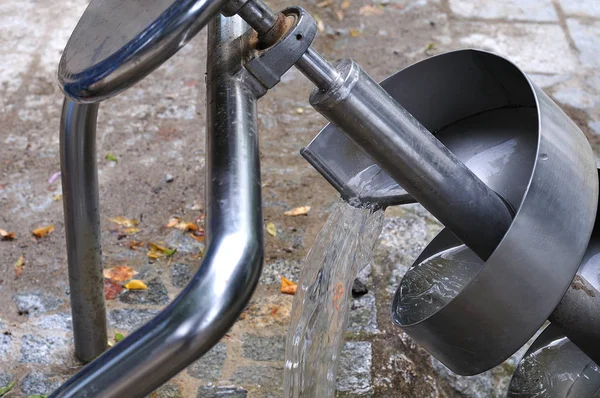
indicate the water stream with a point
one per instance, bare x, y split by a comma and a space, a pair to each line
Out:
322, 302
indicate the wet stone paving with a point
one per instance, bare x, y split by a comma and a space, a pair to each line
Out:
154, 134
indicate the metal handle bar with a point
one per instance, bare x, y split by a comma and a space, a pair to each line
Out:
229, 273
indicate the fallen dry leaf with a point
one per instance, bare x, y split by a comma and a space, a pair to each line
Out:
297, 211
136, 285
125, 222
19, 266
135, 244
5, 235
172, 222
271, 229
43, 231
131, 231
354, 33
345, 4
158, 251
112, 289
57, 198
287, 286
324, 4
198, 235
176, 222
320, 24
120, 273
369, 10
340, 15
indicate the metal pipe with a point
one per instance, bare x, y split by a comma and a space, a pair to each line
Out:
578, 315
197, 319
318, 70
82, 228
417, 160
259, 16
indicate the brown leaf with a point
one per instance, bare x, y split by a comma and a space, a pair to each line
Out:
135, 244
120, 273
369, 10
112, 289
287, 286
19, 266
324, 4
345, 4
5, 235
297, 211
340, 15
125, 222
198, 235
43, 231
136, 285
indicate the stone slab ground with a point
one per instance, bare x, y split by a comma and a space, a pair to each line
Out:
156, 129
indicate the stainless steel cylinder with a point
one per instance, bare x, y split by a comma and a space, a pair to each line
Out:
413, 157
521, 144
82, 228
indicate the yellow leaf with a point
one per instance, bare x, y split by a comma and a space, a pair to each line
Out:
287, 286
5, 235
136, 285
297, 211
354, 33
158, 251
345, 4
134, 244
120, 273
57, 198
325, 3
131, 231
299, 111
43, 231
271, 229
19, 266
124, 222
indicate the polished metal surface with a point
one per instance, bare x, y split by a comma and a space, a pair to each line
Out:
554, 367
416, 159
318, 70
117, 43
197, 319
270, 64
525, 148
82, 228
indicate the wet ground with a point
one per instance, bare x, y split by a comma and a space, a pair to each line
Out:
155, 132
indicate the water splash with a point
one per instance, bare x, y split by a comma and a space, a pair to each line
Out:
322, 301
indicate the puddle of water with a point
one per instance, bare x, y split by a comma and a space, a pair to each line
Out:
322, 302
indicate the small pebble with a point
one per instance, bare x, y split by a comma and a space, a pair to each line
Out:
359, 289
169, 178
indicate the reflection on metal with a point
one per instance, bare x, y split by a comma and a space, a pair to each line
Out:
554, 367
82, 228
117, 43
525, 148
198, 318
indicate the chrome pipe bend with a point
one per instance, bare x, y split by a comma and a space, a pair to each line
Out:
196, 320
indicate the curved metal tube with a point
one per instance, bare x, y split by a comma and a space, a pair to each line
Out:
212, 302
82, 228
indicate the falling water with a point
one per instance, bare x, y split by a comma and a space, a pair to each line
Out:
322, 302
